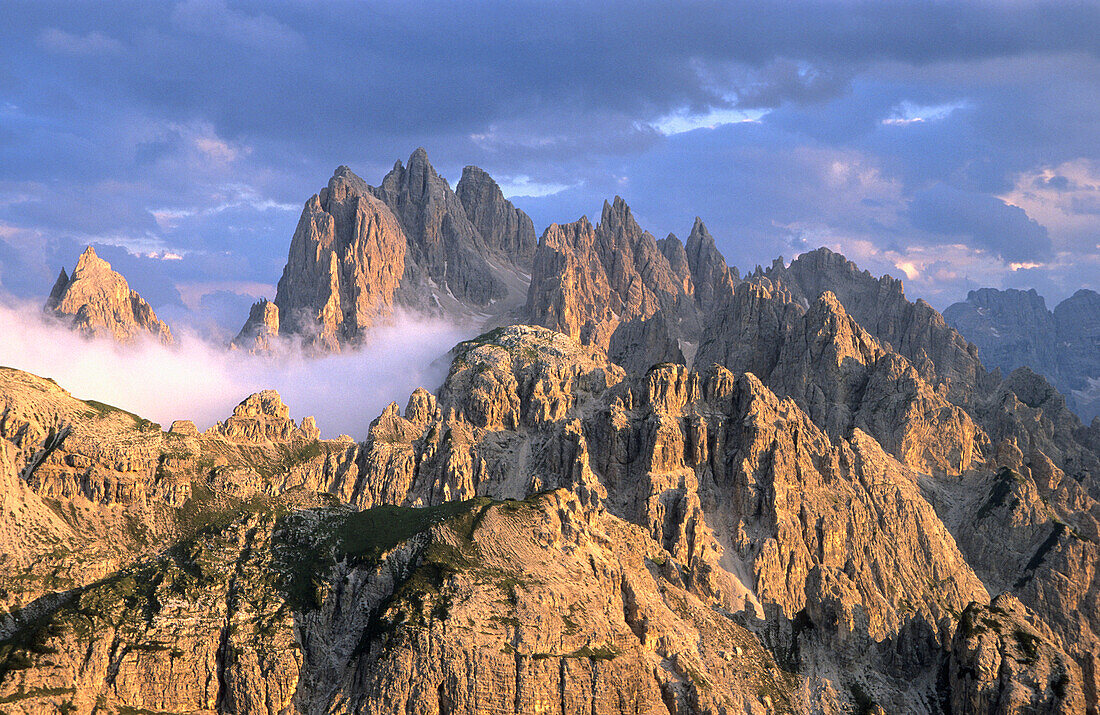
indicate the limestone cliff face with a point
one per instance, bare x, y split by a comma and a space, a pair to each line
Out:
843, 377
617, 287
1002, 660
381, 621
506, 230
342, 273
360, 253
1013, 329
98, 302
570, 291
263, 418
914, 330
445, 249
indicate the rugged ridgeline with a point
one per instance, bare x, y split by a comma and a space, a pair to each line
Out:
360, 252
679, 492
550, 532
1013, 329
615, 286
97, 301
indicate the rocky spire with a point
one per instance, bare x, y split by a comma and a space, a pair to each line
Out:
505, 229
98, 301
345, 262
443, 246
673, 250
260, 329
713, 279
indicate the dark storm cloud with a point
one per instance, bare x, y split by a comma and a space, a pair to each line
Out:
983, 220
199, 127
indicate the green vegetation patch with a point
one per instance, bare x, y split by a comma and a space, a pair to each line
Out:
364, 536
1000, 490
305, 554
102, 409
1028, 645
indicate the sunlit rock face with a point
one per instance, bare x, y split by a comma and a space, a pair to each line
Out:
361, 254
97, 301
614, 285
676, 491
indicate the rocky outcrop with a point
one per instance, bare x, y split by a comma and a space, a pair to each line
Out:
593, 282
98, 302
506, 230
445, 252
263, 418
844, 379
914, 330
261, 330
1003, 661
345, 263
1013, 328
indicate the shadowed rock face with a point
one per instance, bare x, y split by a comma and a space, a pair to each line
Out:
444, 248
506, 230
98, 302
1013, 328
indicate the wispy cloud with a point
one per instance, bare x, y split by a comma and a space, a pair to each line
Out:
93, 43
685, 121
526, 186
907, 112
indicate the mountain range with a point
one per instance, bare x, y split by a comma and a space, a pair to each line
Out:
651, 485
1014, 328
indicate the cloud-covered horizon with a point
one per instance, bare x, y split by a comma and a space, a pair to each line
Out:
196, 380
954, 145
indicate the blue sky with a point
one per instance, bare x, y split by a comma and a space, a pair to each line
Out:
953, 145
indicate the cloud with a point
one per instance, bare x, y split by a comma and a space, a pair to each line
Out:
202, 382
684, 121
989, 222
526, 186
93, 43
146, 140
909, 113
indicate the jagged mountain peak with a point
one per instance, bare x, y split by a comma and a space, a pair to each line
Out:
616, 217
99, 302
90, 261
506, 230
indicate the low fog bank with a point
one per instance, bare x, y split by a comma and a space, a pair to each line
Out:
201, 381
